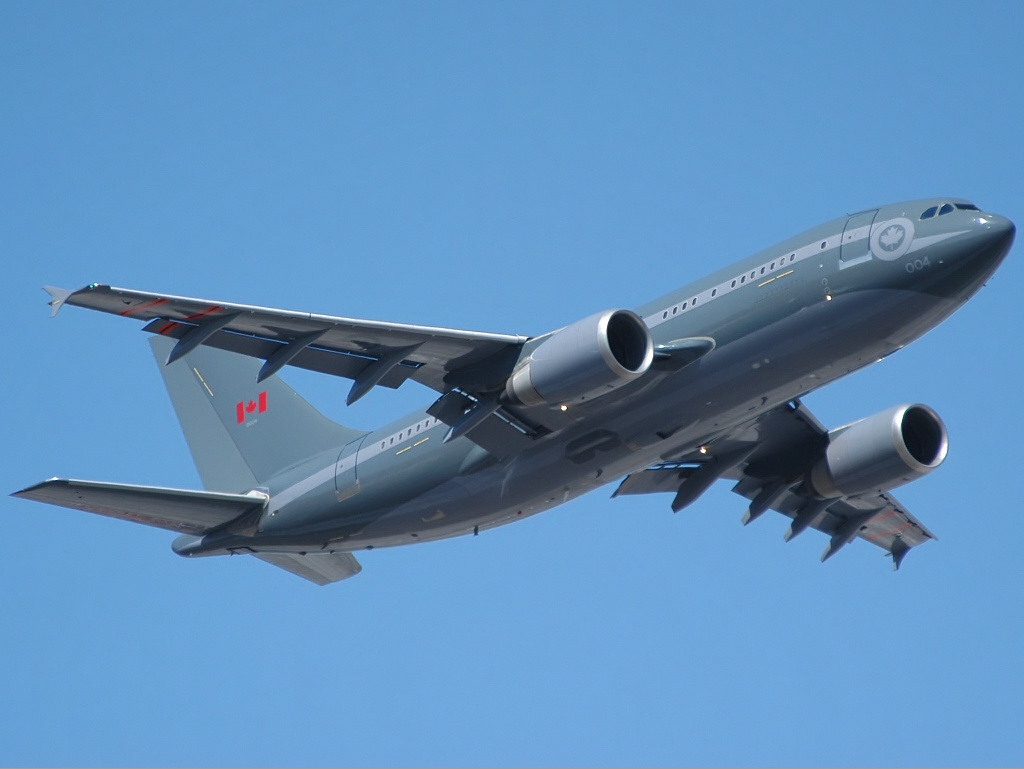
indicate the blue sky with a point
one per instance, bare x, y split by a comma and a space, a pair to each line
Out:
501, 167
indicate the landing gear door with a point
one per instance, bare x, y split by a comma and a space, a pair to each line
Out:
346, 479
855, 246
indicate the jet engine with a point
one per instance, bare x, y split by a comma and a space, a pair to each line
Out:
881, 452
588, 359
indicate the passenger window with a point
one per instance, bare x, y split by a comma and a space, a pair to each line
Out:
714, 291
733, 284
930, 212
946, 208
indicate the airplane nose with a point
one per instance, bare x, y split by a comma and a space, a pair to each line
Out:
989, 244
998, 231
969, 262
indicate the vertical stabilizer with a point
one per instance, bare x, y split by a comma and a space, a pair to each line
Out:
241, 433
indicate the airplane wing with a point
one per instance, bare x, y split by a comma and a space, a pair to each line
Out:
367, 351
181, 510
321, 568
773, 453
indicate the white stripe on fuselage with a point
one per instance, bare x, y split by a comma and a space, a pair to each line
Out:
779, 264
295, 491
931, 240
417, 430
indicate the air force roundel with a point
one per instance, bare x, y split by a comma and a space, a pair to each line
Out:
891, 239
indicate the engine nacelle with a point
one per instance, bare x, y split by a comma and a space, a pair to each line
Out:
583, 361
881, 452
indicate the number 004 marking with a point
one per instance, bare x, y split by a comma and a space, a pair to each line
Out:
917, 264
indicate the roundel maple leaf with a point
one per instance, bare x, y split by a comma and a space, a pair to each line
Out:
890, 240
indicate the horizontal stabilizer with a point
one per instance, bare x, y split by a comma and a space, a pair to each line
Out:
321, 568
181, 510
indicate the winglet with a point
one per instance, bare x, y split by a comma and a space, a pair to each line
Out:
57, 298
898, 551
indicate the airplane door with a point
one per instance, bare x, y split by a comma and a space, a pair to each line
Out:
346, 479
855, 246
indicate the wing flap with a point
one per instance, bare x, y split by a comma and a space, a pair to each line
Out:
887, 523
340, 363
654, 480
181, 510
321, 568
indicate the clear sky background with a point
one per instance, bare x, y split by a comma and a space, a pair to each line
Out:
501, 167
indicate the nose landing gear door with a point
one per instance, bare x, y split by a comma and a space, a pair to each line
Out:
855, 246
346, 478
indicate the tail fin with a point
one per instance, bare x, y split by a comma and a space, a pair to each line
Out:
240, 433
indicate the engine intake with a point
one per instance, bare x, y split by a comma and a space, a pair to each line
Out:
879, 453
583, 361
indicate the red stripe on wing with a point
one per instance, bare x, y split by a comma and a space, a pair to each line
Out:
212, 309
144, 306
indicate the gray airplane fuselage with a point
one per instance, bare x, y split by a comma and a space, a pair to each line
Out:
783, 322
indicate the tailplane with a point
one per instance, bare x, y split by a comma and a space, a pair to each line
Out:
241, 433
320, 568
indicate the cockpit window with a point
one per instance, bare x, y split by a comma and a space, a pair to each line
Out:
948, 208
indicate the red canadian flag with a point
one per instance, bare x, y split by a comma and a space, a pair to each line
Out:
242, 408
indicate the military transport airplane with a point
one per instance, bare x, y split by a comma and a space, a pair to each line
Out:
701, 384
